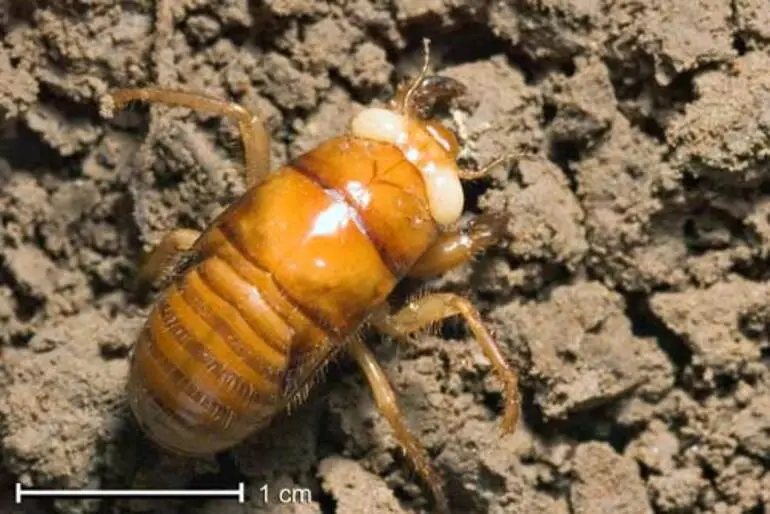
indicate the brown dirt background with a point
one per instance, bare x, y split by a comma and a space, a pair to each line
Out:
631, 293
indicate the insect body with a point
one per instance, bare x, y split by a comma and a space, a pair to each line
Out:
288, 274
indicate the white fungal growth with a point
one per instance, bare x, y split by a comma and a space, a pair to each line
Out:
445, 193
380, 125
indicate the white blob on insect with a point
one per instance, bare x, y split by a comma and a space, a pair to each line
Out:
381, 125
445, 193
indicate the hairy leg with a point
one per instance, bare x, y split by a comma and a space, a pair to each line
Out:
164, 257
434, 308
256, 141
385, 399
453, 249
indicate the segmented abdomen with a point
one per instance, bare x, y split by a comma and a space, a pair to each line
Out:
208, 367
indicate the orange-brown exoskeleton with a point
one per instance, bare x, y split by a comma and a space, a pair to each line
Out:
289, 273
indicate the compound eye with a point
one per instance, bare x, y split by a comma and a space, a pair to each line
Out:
445, 137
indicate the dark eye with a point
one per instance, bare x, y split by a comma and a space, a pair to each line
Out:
434, 90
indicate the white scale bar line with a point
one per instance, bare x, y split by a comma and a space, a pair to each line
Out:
239, 493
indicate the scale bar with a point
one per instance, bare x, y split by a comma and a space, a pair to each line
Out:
239, 493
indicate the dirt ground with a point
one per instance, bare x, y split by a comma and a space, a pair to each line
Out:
631, 291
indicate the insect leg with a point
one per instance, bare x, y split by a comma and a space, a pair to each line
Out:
256, 141
455, 248
430, 309
161, 259
385, 399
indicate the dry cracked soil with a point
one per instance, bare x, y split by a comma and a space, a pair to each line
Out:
631, 290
